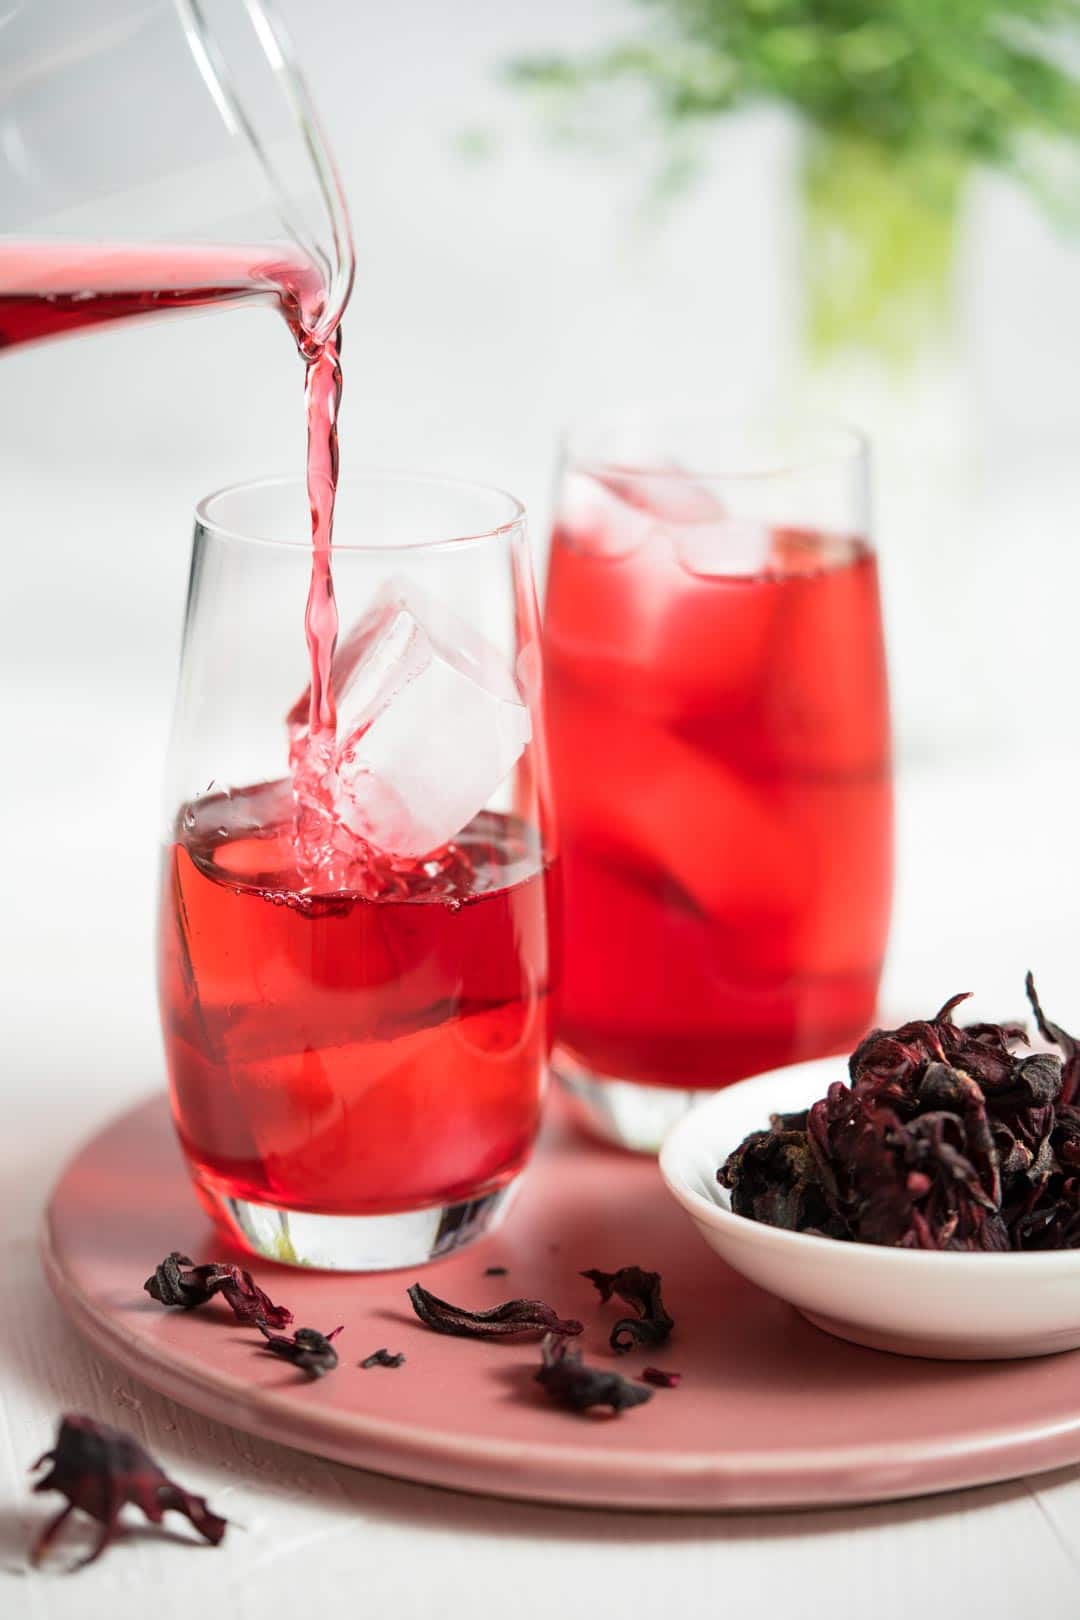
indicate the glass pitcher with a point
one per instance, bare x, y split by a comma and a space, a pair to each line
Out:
159, 154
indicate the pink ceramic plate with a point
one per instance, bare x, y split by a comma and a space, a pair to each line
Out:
770, 1413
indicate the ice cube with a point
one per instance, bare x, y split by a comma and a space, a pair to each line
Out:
620, 511
615, 511
430, 722
708, 539
724, 546
593, 518
668, 493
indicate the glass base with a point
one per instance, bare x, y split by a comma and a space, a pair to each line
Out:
359, 1242
623, 1112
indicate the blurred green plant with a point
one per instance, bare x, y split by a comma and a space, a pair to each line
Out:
901, 102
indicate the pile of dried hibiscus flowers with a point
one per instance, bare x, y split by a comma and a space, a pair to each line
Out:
948, 1137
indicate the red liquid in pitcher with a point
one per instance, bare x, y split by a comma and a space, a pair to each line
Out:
720, 749
351, 1055
53, 288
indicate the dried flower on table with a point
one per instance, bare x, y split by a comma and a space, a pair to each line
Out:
662, 1379
947, 1137
515, 1316
307, 1349
383, 1358
98, 1469
176, 1281
652, 1326
566, 1378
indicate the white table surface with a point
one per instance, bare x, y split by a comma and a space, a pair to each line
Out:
988, 885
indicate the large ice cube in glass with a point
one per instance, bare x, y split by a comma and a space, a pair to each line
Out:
666, 493
618, 511
615, 511
708, 539
430, 722
724, 547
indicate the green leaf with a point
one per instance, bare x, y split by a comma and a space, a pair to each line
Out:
901, 103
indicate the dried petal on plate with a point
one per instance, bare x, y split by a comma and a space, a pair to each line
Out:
383, 1358
177, 1282
99, 1469
661, 1378
500, 1322
566, 1378
652, 1326
307, 1349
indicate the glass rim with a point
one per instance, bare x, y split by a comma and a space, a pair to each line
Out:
820, 441
209, 524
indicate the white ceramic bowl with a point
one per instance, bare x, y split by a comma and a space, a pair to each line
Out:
913, 1302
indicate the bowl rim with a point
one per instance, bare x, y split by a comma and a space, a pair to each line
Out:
742, 1228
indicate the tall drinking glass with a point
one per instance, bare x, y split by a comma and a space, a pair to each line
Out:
355, 973
719, 733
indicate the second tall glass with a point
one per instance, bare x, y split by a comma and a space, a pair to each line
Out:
719, 732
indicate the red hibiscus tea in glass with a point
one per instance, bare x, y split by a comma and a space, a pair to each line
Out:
719, 733
354, 958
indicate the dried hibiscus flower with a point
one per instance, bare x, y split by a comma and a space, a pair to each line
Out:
661, 1379
383, 1358
515, 1316
177, 1281
641, 1289
567, 1379
98, 1469
947, 1137
1053, 1033
312, 1352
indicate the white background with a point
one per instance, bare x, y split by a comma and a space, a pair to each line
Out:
496, 298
